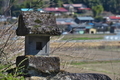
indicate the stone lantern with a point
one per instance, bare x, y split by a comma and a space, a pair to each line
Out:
37, 28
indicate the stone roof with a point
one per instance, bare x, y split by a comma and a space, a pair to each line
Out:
37, 23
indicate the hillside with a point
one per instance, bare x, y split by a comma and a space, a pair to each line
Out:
106, 5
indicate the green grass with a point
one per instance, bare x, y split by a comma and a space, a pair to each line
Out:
3, 66
9, 76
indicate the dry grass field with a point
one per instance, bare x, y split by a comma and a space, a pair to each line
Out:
89, 57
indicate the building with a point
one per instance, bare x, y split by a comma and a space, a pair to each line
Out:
64, 22
76, 29
101, 27
115, 27
31, 9
79, 20
89, 29
92, 31
81, 10
114, 18
26, 9
73, 7
58, 10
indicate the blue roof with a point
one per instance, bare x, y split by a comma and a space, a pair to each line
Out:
26, 9
89, 27
74, 25
85, 18
77, 25
91, 23
39, 9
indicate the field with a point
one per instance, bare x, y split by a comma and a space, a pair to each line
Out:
89, 57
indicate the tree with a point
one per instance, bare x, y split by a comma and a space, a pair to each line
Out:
97, 10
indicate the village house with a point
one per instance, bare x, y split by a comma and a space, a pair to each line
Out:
73, 7
57, 11
101, 27
115, 28
82, 10
31, 9
80, 20
76, 29
114, 18
26, 9
90, 30
64, 22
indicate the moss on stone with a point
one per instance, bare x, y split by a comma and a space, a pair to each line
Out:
36, 26
37, 21
49, 26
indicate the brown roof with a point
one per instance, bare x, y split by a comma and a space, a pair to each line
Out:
37, 23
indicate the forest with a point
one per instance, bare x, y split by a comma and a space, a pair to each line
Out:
14, 6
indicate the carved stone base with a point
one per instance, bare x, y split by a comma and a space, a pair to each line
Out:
37, 65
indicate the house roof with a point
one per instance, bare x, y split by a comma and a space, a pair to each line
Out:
84, 9
85, 18
114, 17
60, 9
104, 24
74, 5
101, 25
37, 23
116, 25
39, 9
65, 21
88, 27
26, 9
30, 9
77, 25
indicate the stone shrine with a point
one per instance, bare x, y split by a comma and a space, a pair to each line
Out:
37, 28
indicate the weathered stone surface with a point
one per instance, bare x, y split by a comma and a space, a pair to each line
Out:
37, 23
80, 76
72, 76
38, 65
